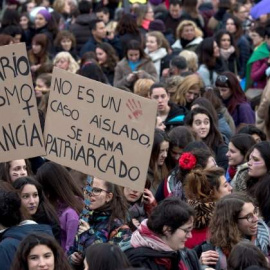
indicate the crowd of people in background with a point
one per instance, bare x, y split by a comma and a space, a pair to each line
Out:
206, 200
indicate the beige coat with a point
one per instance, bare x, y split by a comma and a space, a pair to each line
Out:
122, 70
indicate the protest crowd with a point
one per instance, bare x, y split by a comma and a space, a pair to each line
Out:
205, 204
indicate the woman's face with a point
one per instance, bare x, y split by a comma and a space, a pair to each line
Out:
30, 198
225, 42
192, 94
225, 92
40, 86
41, 257
101, 56
149, 14
133, 55
256, 39
234, 155
66, 44
151, 43
40, 21
230, 26
201, 125
62, 63
188, 32
256, 164
36, 48
248, 220
24, 22
132, 195
104, 196
30, 6
17, 168
178, 239
224, 188
216, 52
163, 152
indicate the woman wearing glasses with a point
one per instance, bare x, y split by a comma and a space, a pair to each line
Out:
105, 221
234, 99
235, 218
159, 242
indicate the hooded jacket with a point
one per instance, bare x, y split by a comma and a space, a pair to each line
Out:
12, 237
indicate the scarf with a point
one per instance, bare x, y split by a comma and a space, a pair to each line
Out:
232, 171
261, 52
144, 237
185, 42
227, 53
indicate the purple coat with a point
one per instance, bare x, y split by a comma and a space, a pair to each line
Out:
69, 222
243, 113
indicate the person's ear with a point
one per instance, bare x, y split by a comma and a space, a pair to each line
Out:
109, 197
166, 230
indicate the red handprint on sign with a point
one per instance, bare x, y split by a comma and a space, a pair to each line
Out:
135, 108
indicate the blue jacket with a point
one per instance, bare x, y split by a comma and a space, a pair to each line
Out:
12, 237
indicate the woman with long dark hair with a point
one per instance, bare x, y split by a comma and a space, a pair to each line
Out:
211, 64
36, 204
65, 196
107, 60
228, 50
234, 27
40, 250
202, 123
157, 170
234, 99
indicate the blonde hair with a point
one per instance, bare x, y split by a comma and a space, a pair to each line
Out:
189, 82
142, 87
192, 59
181, 25
73, 65
161, 40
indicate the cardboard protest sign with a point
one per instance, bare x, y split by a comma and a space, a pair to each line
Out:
20, 132
99, 130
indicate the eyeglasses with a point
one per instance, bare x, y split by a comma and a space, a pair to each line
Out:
186, 231
250, 217
222, 78
97, 191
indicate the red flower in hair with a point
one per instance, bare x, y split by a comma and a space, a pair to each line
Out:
187, 161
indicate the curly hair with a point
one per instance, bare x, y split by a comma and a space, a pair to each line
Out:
192, 59
73, 65
127, 24
201, 185
223, 228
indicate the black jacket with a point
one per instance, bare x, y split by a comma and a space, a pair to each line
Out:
149, 258
175, 117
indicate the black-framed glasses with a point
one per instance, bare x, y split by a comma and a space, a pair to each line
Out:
97, 191
250, 217
186, 231
222, 78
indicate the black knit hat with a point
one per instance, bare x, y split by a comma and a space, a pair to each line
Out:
157, 25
